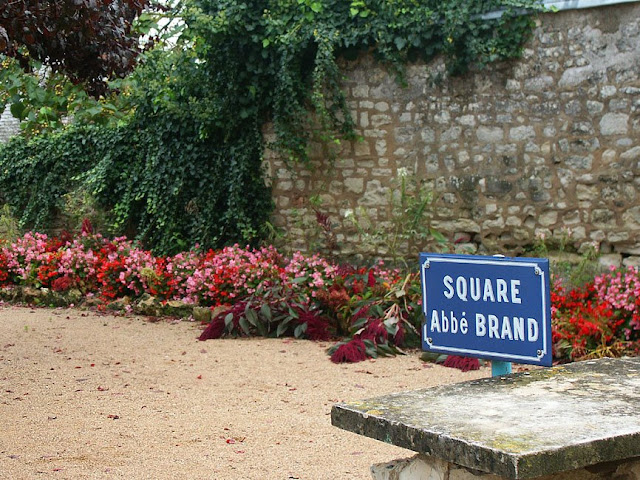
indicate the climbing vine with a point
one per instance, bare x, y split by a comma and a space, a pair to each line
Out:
277, 60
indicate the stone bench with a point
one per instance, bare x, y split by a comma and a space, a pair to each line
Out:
578, 421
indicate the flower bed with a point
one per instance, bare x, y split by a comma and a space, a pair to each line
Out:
368, 311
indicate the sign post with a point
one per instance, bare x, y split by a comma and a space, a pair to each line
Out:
487, 307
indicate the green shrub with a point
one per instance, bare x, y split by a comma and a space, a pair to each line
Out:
163, 184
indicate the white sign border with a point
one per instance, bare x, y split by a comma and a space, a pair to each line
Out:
481, 353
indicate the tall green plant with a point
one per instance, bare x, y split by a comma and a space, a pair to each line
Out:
164, 185
409, 225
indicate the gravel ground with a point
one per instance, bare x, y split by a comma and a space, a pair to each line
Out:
89, 396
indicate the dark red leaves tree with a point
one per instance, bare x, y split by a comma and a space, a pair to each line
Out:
89, 41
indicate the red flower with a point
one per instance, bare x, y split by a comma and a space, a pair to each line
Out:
214, 330
398, 338
87, 227
462, 363
371, 279
4, 269
317, 326
353, 351
375, 331
217, 327
61, 284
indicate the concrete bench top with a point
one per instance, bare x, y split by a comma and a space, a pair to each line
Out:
517, 426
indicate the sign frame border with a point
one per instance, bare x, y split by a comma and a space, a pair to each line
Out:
538, 264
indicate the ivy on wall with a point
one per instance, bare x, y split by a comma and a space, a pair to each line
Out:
276, 60
185, 166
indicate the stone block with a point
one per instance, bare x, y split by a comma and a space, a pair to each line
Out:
524, 132
586, 192
490, 134
362, 149
378, 120
632, 154
354, 185
427, 135
419, 467
364, 120
610, 260
614, 124
632, 262
374, 195
571, 422
177, 308
618, 104
451, 134
442, 117
631, 217
608, 91
202, 314
360, 91
381, 146
467, 120
538, 84
603, 217
579, 162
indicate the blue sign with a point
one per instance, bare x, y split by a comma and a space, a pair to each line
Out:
488, 307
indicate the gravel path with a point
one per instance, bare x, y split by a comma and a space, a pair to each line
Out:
88, 396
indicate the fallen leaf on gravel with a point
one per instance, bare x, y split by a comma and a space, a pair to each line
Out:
234, 440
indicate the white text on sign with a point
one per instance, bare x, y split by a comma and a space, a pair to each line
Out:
488, 290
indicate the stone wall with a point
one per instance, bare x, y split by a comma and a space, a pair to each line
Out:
9, 126
546, 146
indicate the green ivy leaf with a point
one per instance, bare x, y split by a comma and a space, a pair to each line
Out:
283, 326
18, 110
300, 330
244, 325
